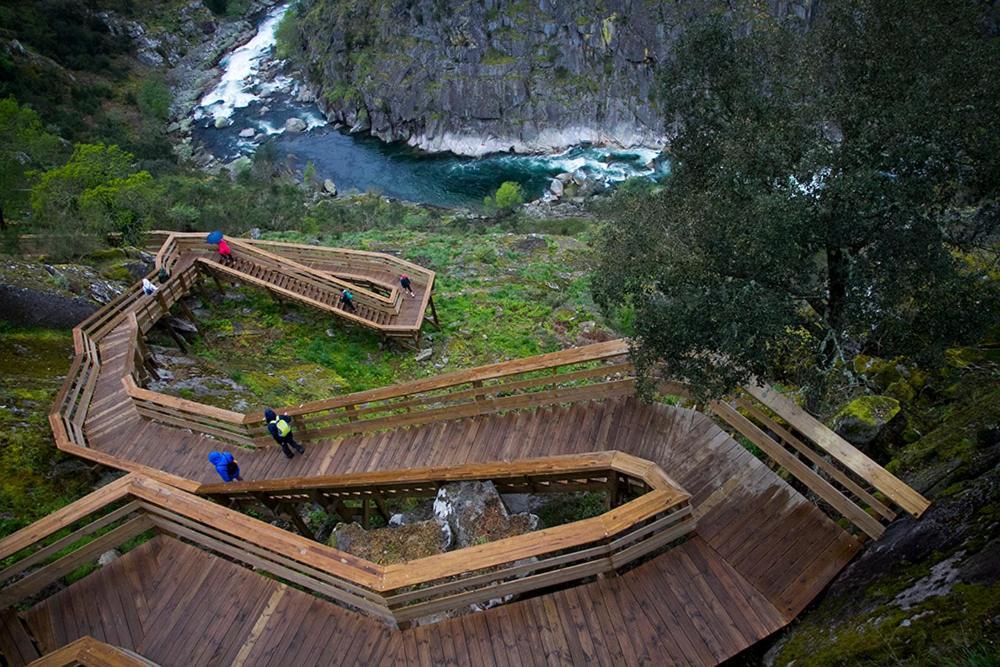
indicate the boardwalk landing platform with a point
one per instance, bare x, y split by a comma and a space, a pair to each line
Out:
761, 550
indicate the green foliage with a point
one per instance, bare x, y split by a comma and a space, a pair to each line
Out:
823, 183
508, 197
288, 41
153, 98
31, 482
24, 145
569, 507
97, 192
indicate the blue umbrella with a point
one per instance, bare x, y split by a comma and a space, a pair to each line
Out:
214, 237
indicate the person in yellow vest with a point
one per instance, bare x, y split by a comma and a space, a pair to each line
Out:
280, 429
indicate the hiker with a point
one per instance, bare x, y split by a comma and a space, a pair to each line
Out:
404, 280
225, 254
148, 288
163, 275
226, 466
347, 301
280, 429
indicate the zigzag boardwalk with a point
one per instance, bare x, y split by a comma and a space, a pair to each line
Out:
200, 610
761, 552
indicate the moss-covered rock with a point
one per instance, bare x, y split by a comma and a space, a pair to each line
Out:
862, 420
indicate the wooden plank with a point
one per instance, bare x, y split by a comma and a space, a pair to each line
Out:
840, 449
818, 460
804, 473
15, 644
42, 577
45, 552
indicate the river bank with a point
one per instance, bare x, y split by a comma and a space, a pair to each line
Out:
256, 100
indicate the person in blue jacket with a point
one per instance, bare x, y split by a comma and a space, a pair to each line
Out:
226, 466
280, 429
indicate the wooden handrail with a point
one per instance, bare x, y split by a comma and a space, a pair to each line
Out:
91, 652
576, 355
894, 488
634, 528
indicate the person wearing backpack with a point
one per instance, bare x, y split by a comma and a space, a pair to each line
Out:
226, 466
404, 280
347, 300
280, 429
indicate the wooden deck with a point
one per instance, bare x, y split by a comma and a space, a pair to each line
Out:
176, 605
776, 539
761, 552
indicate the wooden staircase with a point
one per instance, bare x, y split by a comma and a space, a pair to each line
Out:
306, 292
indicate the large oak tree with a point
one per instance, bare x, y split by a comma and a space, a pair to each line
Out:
834, 191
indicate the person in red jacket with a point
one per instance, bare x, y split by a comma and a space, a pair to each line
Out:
225, 253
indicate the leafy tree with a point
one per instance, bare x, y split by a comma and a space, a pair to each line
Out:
508, 196
96, 192
153, 98
24, 145
828, 185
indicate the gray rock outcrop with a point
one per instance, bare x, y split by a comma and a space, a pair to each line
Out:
498, 75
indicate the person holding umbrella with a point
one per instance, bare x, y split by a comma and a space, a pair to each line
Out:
225, 252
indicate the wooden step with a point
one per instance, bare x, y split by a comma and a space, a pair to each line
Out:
15, 642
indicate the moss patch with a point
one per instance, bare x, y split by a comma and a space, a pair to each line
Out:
35, 478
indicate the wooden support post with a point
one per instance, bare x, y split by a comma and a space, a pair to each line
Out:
366, 514
434, 314
187, 311
612, 489
218, 283
176, 336
477, 384
380, 505
297, 521
162, 301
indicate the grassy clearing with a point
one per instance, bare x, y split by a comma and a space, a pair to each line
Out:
500, 295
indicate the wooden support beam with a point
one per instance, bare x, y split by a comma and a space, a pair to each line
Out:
898, 491
800, 470
297, 521
434, 314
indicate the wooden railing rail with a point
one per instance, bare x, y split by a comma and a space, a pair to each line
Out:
842, 477
45, 552
223, 425
322, 279
91, 652
524, 383
219, 268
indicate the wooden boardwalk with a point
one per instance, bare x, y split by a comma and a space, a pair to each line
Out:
176, 605
771, 534
761, 553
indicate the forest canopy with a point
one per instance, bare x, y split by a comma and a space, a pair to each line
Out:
834, 192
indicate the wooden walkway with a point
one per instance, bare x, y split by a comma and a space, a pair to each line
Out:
761, 553
778, 540
176, 605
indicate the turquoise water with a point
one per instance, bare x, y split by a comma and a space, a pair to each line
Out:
362, 163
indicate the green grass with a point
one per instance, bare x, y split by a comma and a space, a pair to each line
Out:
497, 296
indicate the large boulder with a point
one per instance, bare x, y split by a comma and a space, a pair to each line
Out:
862, 420
295, 125
474, 514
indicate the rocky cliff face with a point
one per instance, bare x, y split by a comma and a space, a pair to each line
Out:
496, 75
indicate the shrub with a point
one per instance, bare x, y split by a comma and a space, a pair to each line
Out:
508, 196
153, 98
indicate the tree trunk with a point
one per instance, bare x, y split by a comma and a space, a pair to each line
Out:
836, 279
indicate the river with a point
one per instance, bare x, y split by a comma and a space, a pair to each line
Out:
249, 97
